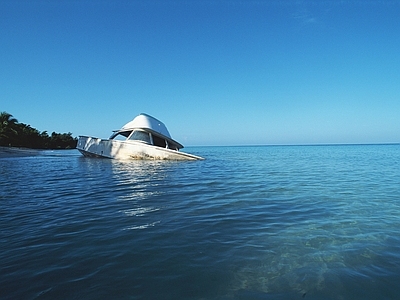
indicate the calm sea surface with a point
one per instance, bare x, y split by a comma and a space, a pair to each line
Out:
274, 222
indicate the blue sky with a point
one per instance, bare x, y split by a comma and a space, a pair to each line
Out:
215, 72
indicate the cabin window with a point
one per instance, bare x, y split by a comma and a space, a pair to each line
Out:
159, 142
120, 136
140, 136
173, 146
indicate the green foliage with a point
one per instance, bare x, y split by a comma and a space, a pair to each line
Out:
13, 133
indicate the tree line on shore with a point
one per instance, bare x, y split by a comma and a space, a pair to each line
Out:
15, 134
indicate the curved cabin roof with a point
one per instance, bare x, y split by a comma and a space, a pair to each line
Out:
151, 124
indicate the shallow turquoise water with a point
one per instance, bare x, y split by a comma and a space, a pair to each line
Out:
273, 222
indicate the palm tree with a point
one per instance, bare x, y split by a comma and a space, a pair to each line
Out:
6, 118
8, 128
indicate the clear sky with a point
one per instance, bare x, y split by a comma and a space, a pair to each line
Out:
215, 72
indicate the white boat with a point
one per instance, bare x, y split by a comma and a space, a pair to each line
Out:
144, 137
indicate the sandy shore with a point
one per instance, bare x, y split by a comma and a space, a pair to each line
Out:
17, 152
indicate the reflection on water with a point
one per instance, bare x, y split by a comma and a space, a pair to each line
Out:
133, 182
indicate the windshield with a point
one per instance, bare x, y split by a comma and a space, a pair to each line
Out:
141, 136
120, 135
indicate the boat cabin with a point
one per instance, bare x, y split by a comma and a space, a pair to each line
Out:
145, 137
148, 130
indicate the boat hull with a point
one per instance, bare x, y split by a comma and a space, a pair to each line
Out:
96, 147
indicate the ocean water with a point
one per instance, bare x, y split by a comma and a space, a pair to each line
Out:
273, 222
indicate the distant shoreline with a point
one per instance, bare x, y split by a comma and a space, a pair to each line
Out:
6, 152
